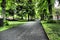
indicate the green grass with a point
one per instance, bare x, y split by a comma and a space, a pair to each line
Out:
52, 30
11, 25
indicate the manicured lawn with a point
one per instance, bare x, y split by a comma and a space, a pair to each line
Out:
11, 25
52, 30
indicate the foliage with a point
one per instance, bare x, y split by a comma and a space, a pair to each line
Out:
52, 30
19, 5
29, 8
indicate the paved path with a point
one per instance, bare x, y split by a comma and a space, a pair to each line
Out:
28, 31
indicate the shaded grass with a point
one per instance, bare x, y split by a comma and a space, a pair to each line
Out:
11, 25
52, 30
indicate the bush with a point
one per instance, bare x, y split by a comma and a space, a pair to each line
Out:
51, 21
58, 21
6, 23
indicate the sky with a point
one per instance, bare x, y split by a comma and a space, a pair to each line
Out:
56, 5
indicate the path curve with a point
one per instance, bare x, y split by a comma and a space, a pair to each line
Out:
28, 31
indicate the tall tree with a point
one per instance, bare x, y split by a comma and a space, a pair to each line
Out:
31, 11
50, 9
3, 5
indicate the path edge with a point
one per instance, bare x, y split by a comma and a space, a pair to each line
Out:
44, 31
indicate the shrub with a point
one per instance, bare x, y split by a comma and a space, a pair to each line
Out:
51, 21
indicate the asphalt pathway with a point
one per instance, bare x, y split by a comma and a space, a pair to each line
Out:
28, 31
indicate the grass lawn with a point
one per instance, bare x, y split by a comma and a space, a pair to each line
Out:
11, 25
52, 30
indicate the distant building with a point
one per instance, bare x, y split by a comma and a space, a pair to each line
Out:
56, 16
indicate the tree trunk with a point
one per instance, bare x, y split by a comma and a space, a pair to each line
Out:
4, 16
13, 17
3, 11
57, 17
3, 5
50, 9
42, 16
28, 17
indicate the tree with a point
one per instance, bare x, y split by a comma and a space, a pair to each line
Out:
50, 9
59, 1
40, 6
30, 10
3, 5
43, 14
11, 12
